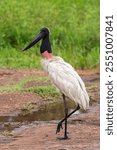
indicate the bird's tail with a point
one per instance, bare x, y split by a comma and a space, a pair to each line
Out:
85, 101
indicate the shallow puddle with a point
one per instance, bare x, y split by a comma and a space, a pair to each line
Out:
45, 112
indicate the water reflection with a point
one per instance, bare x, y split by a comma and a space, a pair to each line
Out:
47, 112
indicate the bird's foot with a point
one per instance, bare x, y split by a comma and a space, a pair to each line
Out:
63, 138
59, 127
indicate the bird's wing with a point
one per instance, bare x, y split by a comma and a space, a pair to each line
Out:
66, 79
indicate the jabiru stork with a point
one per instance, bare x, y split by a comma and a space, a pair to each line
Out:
63, 76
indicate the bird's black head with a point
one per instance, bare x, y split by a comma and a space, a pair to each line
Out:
45, 45
46, 30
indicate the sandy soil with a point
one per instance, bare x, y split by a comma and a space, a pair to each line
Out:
39, 135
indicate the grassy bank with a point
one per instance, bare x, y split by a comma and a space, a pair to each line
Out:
74, 26
45, 91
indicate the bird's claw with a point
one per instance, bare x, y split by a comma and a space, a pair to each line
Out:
59, 127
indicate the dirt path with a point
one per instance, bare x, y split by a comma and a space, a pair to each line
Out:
40, 135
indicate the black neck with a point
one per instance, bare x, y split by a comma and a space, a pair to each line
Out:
45, 45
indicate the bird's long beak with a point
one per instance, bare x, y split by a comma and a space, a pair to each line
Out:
36, 39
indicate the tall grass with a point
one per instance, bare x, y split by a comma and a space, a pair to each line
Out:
74, 26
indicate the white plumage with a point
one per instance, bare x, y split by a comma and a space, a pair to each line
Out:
66, 79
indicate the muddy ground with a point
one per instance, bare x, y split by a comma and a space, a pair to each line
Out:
23, 133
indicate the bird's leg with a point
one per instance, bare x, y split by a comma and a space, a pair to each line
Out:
66, 113
60, 123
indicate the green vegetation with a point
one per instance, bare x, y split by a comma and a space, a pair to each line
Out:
74, 25
29, 106
43, 90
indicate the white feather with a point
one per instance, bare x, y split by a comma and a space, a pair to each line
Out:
66, 79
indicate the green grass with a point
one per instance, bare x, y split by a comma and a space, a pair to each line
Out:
74, 26
44, 91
